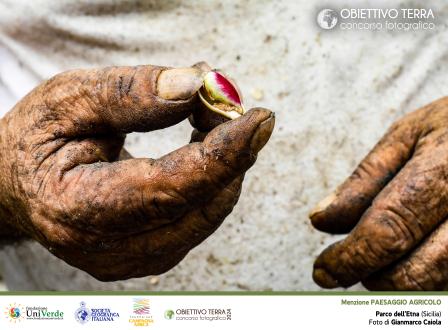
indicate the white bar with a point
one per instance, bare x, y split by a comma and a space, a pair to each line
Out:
238, 312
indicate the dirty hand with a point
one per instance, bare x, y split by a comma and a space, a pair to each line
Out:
66, 181
396, 205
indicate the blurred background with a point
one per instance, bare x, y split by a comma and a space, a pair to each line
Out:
334, 92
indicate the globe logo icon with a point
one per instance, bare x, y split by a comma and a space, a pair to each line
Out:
14, 312
83, 314
169, 314
327, 19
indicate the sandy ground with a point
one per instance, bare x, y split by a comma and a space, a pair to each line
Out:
334, 93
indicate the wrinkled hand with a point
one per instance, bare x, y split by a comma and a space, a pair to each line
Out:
66, 181
396, 205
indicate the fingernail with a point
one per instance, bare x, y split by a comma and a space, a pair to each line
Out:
324, 279
322, 205
203, 66
263, 133
179, 83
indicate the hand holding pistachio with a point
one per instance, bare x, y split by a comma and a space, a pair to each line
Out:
395, 207
67, 182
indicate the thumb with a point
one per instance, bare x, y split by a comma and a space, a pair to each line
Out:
122, 99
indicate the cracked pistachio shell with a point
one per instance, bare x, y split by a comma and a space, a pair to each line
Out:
221, 95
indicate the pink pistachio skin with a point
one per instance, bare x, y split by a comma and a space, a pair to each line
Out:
222, 89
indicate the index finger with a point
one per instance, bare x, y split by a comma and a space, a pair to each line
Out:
119, 195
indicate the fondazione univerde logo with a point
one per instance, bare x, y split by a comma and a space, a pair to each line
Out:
14, 312
84, 314
141, 313
17, 312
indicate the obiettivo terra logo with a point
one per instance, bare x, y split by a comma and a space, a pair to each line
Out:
376, 19
14, 313
327, 19
198, 314
169, 314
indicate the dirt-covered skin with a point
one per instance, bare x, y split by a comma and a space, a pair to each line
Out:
395, 206
66, 181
